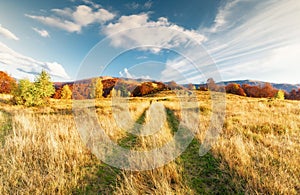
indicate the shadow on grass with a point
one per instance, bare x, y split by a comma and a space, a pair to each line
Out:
5, 125
204, 174
172, 120
103, 178
99, 179
130, 140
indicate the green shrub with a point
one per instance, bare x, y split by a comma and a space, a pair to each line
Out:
34, 94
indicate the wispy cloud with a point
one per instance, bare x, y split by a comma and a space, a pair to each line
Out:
134, 5
257, 38
57, 22
221, 19
253, 39
73, 20
8, 34
89, 2
148, 4
26, 67
42, 32
141, 57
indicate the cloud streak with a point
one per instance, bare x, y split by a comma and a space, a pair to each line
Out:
8, 34
42, 32
253, 40
222, 16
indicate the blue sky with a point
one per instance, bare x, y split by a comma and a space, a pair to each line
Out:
72, 39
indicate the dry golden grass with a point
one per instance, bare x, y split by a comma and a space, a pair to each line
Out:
258, 150
42, 154
261, 143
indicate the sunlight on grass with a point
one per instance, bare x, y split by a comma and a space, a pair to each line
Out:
258, 150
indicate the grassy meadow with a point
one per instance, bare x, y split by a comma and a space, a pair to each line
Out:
257, 152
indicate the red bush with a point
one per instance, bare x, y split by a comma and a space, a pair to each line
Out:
293, 95
148, 88
235, 89
58, 89
266, 91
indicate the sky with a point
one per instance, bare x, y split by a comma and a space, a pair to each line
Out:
185, 41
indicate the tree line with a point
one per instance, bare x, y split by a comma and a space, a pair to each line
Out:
38, 92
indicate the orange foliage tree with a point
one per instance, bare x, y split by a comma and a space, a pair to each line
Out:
265, 91
7, 83
235, 89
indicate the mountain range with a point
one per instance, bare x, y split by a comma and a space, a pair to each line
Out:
283, 86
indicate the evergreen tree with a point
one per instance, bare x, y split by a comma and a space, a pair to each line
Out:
44, 86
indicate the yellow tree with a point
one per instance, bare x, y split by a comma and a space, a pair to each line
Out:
66, 92
96, 88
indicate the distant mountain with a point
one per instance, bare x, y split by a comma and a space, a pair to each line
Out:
282, 86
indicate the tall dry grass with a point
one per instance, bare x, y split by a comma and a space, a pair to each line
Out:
258, 149
42, 155
261, 143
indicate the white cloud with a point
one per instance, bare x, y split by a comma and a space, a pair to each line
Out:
74, 20
8, 34
42, 32
21, 66
84, 15
126, 74
161, 33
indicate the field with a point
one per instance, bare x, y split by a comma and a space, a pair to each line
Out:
257, 151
